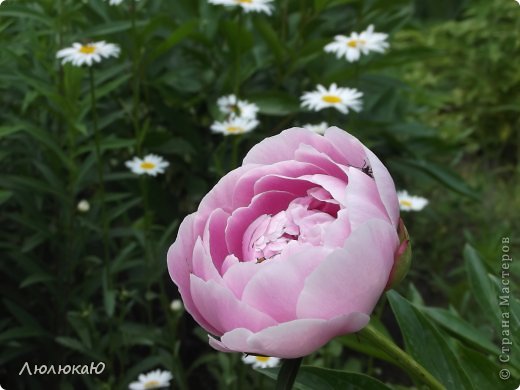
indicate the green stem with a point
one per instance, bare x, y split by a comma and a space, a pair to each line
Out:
238, 56
287, 374
405, 361
136, 82
101, 179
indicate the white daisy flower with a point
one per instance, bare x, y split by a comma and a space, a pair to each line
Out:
151, 164
116, 2
83, 206
153, 380
88, 54
352, 46
176, 305
342, 99
234, 107
411, 203
318, 128
234, 126
247, 5
261, 361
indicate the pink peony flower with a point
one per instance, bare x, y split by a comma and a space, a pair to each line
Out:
291, 249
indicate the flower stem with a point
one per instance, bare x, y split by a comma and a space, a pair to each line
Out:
405, 361
101, 179
287, 374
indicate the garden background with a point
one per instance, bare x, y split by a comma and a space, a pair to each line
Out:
90, 284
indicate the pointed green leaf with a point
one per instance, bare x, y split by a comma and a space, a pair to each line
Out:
427, 345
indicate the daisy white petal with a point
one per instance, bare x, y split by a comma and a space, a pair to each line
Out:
234, 126
151, 164
264, 6
342, 99
81, 54
319, 128
351, 47
261, 361
411, 203
235, 107
156, 379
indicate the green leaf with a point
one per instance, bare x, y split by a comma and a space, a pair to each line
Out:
8, 130
180, 33
271, 38
313, 378
20, 332
464, 330
80, 325
37, 278
483, 372
481, 286
276, 103
439, 173
427, 345
5, 196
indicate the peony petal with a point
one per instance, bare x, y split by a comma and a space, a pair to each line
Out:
223, 310
244, 188
214, 237
218, 345
277, 284
236, 340
322, 160
219, 196
385, 186
353, 278
296, 186
362, 199
334, 186
179, 266
347, 145
202, 265
337, 232
239, 275
281, 147
266, 203
301, 337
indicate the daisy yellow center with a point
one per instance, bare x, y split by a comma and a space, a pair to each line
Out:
147, 165
331, 99
151, 384
406, 203
235, 129
262, 359
355, 42
244, 1
87, 49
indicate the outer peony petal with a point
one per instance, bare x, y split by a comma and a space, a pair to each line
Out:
275, 288
347, 145
179, 266
291, 339
353, 278
219, 196
223, 310
282, 146
214, 238
385, 186
362, 199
